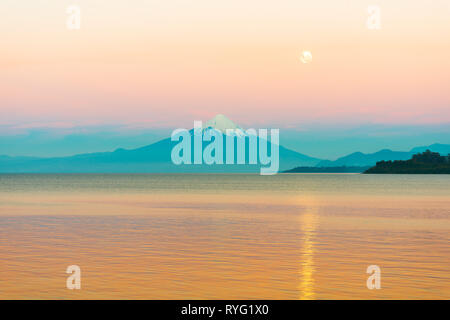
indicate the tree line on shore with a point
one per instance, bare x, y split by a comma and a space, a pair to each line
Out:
422, 163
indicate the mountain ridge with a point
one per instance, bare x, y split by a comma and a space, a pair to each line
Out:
370, 159
156, 157
153, 158
160, 158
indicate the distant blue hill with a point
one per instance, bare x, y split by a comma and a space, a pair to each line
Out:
154, 158
362, 159
442, 149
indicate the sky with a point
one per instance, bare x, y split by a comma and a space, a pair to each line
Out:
163, 64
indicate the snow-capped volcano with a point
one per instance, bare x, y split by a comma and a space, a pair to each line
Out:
221, 123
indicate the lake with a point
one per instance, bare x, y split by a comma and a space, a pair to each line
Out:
224, 236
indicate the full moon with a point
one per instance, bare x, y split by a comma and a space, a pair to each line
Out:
306, 57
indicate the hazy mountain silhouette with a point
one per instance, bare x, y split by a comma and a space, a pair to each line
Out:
361, 159
152, 158
156, 157
443, 149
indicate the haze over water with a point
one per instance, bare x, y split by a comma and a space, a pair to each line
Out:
236, 236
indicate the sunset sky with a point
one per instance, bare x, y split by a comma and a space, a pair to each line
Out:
164, 64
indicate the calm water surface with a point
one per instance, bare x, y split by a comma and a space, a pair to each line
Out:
289, 236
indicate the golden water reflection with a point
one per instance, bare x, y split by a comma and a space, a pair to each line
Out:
224, 237
308, 225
